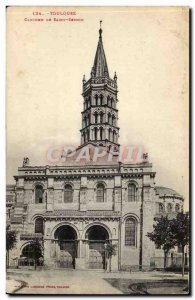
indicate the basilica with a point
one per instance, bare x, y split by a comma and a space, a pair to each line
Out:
77, 209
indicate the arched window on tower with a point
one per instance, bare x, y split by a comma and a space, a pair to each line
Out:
86, 139
89, 101
132, 194
85, 121
101, 133
113, 120
111, 102
68, 193
100, 193
101, 117
108, 100
95, 133
88, 135
130, 232
86, 103
109, 119
39, 194
101, 99
88, 119
114, 136
96, 117
39, 224
109, 134
96, 99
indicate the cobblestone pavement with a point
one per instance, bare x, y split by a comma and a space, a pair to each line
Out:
74, 281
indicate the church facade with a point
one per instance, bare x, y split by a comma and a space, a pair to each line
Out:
76, 210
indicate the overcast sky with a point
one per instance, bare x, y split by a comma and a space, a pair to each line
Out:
148, 48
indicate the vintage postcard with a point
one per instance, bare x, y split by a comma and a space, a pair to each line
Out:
97, 194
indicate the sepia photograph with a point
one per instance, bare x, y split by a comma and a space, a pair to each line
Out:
97, 150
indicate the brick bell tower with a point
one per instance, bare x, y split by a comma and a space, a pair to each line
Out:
100, 114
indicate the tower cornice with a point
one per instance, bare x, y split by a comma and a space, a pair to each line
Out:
103, 106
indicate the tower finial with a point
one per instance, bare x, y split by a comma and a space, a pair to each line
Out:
100, 30
84, 80
115, 77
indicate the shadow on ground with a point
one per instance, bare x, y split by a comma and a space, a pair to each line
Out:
149, 287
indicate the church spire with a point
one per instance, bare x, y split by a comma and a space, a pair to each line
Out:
100, 113
100, 68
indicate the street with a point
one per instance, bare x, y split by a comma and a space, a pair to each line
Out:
86, 282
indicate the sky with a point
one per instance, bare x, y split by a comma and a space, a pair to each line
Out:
46, 61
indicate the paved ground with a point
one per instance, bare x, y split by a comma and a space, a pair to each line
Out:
77, 282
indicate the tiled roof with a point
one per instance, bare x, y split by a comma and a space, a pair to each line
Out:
161, 191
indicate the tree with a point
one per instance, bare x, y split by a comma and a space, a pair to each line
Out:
110, 251
180, 229
10, 242
162, 236
37, 251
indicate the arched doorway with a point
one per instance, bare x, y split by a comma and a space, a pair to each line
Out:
67, 246
98, 237
31, 255
26, 257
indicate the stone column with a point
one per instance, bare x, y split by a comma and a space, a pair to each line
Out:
80, 248
87, 251
114, 259
83, 193
80, 261
148, 247
117, 193
50, 194
48, 261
